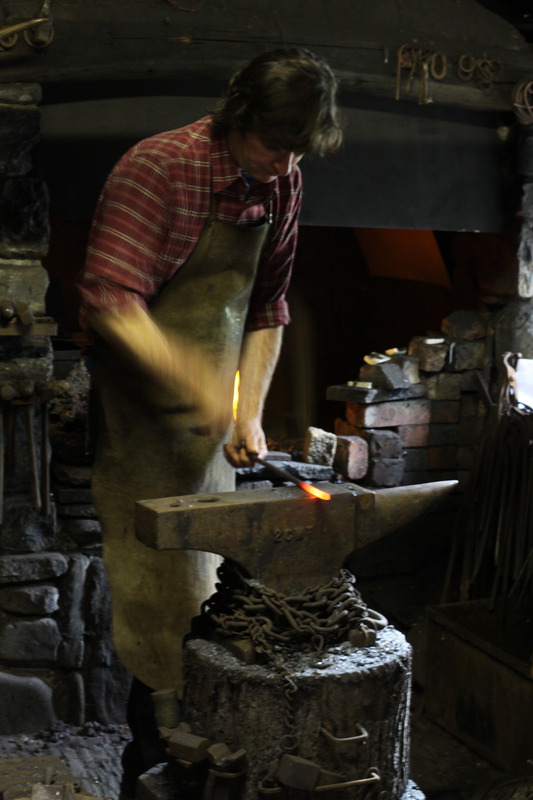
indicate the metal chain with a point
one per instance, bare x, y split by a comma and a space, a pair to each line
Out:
275, 623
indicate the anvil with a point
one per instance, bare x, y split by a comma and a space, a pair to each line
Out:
282, 537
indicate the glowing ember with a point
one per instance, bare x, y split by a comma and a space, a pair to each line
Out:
314, 491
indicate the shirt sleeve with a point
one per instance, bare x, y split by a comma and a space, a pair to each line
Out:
268, 305
124, 262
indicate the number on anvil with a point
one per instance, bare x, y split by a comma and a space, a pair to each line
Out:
291, 534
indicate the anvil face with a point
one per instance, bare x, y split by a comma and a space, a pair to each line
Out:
282, 536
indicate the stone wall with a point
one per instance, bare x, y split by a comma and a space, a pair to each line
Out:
56, 655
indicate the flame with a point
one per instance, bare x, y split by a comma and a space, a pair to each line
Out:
314, 490
236, 385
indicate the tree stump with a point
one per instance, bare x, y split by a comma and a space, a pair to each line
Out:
344, 693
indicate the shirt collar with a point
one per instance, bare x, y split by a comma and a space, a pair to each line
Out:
226, 172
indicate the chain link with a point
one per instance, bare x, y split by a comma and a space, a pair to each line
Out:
276, 624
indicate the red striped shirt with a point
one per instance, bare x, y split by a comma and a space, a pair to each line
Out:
154, 207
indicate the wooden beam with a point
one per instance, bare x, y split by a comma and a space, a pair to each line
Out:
200, 42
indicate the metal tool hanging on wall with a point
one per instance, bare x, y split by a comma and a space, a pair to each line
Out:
38, 32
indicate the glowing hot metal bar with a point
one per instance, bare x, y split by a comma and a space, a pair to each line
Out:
287, 476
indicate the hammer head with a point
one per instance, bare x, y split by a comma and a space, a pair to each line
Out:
283, 537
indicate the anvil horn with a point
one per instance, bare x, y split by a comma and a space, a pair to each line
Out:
396, 507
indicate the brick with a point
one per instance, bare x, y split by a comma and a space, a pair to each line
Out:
444, 386
415, 459
384, 376
468, 355
351, 457
319, 447
413, 435
431, 357
445, 411
343, 428
443, 457
410, 366
382, 443
387, 415
467, 325
470, 379
385, 472
443, 434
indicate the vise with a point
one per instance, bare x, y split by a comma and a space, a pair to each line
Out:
283, 537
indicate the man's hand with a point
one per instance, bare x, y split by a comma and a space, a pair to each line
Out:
248, 440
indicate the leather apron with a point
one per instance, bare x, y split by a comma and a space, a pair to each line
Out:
148, 446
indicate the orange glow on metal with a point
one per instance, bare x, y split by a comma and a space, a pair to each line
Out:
314, 491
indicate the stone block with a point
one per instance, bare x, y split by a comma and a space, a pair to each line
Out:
319, 447
22, 369
25, 281
72, 474
88, 532
71, 617
32, 567
30, 600
471, 380
29, 641
468, 325
413, 435
445, 411
443, 386
384, 376
468, 355
73, 495
385, 472
78, 511
25, 705
19, 134
409, 365
388, 415
24, 528
351, 457
24, 217
431, 357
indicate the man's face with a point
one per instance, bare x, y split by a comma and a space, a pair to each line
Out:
261, 162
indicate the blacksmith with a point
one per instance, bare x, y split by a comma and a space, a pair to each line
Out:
185, 282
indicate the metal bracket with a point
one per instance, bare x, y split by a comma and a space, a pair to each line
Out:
363, 734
